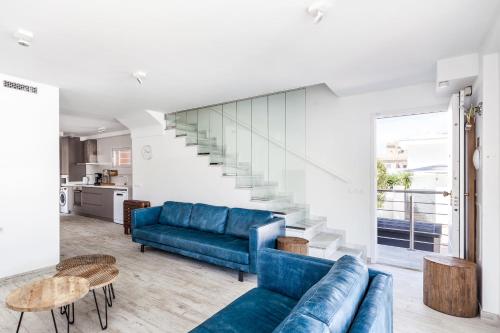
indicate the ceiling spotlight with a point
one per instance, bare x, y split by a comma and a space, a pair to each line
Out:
24, 37
444, 84
101, 129
318, 9
139, 76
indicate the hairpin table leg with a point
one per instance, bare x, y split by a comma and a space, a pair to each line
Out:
105, 308
20, 320
112, 290
54, 320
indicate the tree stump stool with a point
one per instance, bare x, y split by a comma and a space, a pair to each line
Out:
293, 244
450, 286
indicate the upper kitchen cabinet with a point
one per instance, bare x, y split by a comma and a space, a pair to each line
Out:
90, 151
64, 156
70, 154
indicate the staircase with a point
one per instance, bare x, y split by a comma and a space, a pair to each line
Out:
324, 242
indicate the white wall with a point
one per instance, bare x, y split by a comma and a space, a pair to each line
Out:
29, 169
176, 172
487, 90
489, 186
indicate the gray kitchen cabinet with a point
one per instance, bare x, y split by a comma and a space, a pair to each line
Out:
64, 156
96, 202
76, 171
90, 151
70, 154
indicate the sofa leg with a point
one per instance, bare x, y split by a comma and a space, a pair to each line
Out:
142, 247
240, 276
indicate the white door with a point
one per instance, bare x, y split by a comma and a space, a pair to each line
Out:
456, 229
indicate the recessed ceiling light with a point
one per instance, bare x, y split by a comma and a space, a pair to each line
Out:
101, 129
318, 9
24, 37
444, 84
139, 76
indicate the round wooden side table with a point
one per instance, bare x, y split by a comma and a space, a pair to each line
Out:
293, 244
450, 286
87, 259
48, 294
98, 276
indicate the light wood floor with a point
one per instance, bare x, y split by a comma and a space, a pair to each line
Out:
161, 292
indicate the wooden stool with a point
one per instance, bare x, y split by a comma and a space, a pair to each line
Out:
450, 286
128, 207
293, 244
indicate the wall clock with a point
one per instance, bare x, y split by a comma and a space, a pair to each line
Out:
147, 152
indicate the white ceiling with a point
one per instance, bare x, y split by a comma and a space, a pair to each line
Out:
203, 52
77, 125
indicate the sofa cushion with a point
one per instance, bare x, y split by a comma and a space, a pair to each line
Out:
334, 300
259, 310
219, 246
208, 218
176, 213
297, 322
240, 220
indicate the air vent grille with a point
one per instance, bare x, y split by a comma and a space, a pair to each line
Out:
19, 86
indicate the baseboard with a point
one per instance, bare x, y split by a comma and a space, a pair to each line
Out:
490, 318
38, 271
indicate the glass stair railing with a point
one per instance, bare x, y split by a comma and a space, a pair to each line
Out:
248, 139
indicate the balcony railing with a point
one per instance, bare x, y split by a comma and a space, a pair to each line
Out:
414, 219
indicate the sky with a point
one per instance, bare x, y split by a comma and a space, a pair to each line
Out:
409, 127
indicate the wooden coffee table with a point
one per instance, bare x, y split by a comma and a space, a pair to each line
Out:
48, 294
99, 276
87, 259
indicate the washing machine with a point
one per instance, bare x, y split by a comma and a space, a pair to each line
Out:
64, 205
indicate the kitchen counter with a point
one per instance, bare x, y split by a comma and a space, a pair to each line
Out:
114, 187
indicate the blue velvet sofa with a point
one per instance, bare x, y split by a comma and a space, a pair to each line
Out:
217, 235
304, 294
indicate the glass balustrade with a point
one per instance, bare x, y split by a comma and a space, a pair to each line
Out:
261, 141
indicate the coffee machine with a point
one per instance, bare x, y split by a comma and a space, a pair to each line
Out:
97, 178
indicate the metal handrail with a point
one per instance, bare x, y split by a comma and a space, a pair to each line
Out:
419, 202
444, 193
402, 211
409, 198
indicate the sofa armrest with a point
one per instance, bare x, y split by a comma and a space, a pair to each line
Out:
264, 236
142, 217
290, 274
375, 313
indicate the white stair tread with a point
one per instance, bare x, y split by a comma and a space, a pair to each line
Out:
288, 210
343, 250
305, 224
323, 240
